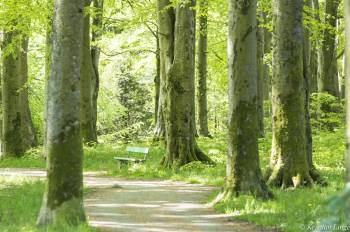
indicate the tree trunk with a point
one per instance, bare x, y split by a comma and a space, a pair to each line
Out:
261, 79
13, 143
63, 199
28, 131
158, 111
179, 108
347, 92
96, 35
166, 24
307, 86
289, 166
202, 69
328, 81
88, 74
243, 167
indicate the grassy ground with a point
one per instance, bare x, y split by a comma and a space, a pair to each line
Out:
291, 211
20, 204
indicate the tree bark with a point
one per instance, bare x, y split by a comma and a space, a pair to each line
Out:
307, 86
289, 166
202, 69
28, 131
13, 142
260, 33
243, 167
347, 92
96, 35
63, 198
179, 107
88, 75
328, 81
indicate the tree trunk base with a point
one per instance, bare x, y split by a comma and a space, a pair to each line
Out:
259, 190
289, 178
70, 212
196, 155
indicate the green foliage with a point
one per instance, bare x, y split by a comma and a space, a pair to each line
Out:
327, 112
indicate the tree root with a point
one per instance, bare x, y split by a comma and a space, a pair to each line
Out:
285, 179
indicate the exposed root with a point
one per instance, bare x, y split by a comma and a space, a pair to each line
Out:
285, 179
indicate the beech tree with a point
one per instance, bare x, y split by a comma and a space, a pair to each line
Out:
289, 166
63, 198
202, 69
18, 129
177, 45
243, 167
96, 34
88, 75
347, 78
328, 81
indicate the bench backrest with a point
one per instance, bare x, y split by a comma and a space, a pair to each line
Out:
142, 150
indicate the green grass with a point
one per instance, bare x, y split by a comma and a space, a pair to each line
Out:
290, 211
20, 204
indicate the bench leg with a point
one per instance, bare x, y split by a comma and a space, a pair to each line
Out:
121, 164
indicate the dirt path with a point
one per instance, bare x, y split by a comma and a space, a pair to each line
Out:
130, 205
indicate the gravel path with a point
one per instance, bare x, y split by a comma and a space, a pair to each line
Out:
115, 204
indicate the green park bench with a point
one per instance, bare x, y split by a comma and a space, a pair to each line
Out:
124, 161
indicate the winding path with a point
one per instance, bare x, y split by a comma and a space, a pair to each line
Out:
115, 204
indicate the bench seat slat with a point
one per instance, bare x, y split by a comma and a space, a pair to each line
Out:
143, 150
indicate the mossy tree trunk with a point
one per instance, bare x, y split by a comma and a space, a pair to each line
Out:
347, 92
13, 144
243, 168
178, 68
18, 128
203, 69
260, 32
88, 75
289, 166
63, 198
328, 81
96, 35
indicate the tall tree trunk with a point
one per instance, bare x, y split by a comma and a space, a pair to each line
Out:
48, 60
289, 160
347, 92
307, 86
158, 81
243, 167
28, 131
319, 52
63, 198
202, 69
179, 108
96, 35
260, 33
166, 24
267, 68
328, 81
88, 75
13, 142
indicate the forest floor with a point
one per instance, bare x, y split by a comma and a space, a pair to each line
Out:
118, 204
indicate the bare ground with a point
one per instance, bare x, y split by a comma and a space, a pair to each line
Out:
115, 204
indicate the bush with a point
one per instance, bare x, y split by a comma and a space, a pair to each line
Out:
327, 112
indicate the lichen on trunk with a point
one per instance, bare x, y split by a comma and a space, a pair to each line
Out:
178, 52
288, 165
63, 198
243, 175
